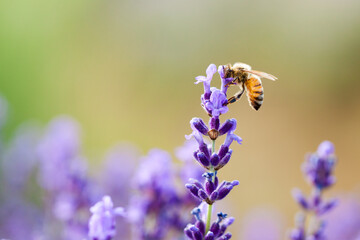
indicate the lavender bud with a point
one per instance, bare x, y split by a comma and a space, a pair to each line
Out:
223, 150
214, 196
227, 222
227, 236
215, 228
229, 125
209, 187
201, 226
196, 233
202, 194
216, 181
235, 183
199, 125
214, 159
197, 183
214, 123
210, 236
223, 192
204, 148
203, 159
193, 189
188, 232
224, 161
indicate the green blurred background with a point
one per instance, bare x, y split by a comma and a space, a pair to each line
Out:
125, 70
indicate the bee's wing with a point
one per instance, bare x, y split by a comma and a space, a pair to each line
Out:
262, 74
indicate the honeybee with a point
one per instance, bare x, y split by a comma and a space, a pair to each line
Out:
247, 79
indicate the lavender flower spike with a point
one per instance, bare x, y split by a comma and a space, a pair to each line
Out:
102, 221
317, 169
214, 102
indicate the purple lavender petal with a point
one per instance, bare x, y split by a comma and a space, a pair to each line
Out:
218, 100
230, 137
207, 80
211, 70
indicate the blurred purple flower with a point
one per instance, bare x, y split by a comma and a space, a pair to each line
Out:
262, 224
344, 221
19, 220
19, 159
102, 221
318, 166
160, 208
186, 154
59, 153
118, 168
155, 172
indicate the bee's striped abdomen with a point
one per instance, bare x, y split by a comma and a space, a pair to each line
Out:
255, 92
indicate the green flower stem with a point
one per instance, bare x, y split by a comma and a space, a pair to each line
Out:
209, 212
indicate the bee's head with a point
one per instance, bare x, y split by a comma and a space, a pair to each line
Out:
228, 71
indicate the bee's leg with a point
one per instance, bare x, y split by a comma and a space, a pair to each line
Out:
237, 96
233, 82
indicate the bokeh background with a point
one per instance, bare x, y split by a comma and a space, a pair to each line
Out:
125, 70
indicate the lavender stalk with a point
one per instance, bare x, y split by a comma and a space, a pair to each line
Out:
214, 102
